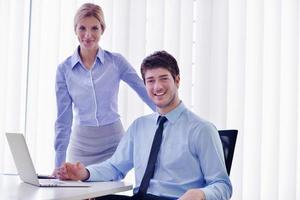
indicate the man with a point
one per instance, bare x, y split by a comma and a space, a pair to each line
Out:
185, 162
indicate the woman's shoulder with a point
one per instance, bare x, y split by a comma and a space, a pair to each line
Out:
67, 63
113, 55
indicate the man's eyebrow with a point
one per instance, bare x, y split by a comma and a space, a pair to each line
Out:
164, 75
160, 76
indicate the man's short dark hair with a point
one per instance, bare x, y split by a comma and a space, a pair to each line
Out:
160, 59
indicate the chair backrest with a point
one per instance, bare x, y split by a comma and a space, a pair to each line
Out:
228, 138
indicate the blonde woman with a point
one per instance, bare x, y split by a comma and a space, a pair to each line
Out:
88, 127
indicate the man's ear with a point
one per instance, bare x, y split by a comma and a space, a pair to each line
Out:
177, 80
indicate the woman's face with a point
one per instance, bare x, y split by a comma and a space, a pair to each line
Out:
88, 31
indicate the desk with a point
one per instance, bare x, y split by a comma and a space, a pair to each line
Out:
11, 187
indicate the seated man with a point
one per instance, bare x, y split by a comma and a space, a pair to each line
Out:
175, 153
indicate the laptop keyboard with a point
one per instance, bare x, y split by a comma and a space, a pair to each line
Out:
53, 183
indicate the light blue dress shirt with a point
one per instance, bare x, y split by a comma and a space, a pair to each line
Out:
190, 156
92, 94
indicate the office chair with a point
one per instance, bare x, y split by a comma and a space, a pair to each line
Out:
228, 139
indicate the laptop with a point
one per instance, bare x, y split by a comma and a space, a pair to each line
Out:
25, 167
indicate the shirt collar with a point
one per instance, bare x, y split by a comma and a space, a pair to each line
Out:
174, 114
76, 58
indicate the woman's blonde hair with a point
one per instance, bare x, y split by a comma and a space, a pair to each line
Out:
90, 10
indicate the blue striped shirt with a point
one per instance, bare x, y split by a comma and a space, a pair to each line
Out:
91, 96
190, 156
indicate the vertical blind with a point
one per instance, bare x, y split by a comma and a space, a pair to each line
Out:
14, 20
239, 62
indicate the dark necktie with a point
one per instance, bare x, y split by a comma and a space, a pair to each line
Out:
152, 157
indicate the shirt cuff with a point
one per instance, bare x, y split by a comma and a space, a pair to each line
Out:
91, 174
87, 178
208, 193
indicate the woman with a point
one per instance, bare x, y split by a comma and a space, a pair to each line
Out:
87, 85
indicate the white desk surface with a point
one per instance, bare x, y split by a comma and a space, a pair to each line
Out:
11, 187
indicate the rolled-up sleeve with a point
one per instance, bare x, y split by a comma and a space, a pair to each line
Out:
208, 148
116, 167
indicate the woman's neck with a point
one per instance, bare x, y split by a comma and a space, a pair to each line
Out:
88, 57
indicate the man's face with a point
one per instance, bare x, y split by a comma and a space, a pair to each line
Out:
162, 89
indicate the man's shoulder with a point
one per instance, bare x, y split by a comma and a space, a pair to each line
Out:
193, 117
146, 118
195, 120
143, 122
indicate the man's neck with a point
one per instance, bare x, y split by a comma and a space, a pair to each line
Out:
163, 111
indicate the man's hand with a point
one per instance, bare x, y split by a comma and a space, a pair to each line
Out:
193, 194
54, 173
69, 171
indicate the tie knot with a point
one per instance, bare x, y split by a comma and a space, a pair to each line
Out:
162, 120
